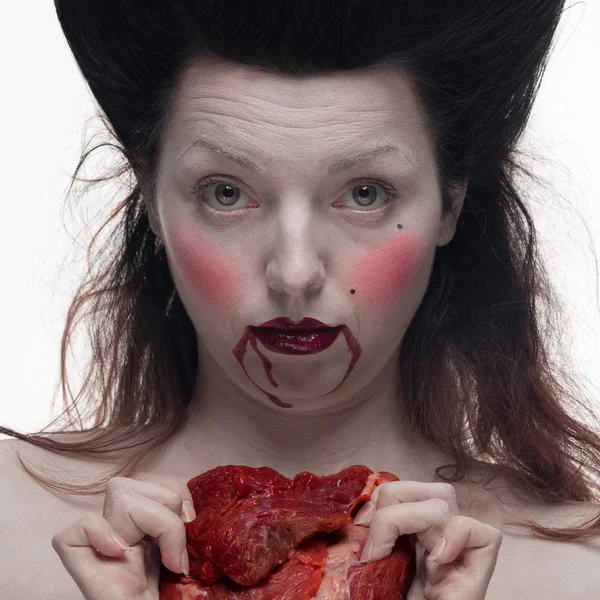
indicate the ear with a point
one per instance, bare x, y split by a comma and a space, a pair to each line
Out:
449, 221
151, 209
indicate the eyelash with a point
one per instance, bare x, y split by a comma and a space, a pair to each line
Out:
196, 189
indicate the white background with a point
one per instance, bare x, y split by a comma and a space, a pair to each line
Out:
47, 111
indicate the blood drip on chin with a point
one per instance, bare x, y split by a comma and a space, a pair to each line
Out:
240, 350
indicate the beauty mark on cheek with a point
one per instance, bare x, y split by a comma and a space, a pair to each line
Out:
384, 272
208, 272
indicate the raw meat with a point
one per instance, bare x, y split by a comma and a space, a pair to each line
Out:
261, 536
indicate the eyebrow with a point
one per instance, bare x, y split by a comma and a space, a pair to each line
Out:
337, 166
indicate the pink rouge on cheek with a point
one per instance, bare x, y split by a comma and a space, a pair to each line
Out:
384, 272
207, 270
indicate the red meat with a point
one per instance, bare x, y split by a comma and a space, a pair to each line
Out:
261, 536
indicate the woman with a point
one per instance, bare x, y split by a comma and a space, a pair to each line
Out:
354, 165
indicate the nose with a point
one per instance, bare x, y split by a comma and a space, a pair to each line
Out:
296, 268
294, 275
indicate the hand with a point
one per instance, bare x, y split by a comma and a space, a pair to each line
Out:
133, 509
466, 563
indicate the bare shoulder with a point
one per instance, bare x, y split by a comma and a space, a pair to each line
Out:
530, 566
30, 515
64, 468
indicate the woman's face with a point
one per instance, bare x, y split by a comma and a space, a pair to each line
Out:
297, 221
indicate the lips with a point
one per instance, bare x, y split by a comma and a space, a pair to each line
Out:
283, 336
305, 324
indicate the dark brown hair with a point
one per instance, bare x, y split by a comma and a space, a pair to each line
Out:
477, 377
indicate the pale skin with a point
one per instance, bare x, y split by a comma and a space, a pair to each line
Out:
298, 253
293, 244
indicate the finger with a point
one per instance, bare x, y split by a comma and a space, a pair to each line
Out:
188, 512
417, 586
416, 591
479, 542
152, 561
79, 548
394, 492
467, 562
168, 492
134, 516
90, 530
426, 519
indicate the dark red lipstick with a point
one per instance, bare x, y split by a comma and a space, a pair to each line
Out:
285, 323
309, 336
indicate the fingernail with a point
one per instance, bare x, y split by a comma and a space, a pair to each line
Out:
367, 550
185, 563
120, 541
364, 515
189, 514
438, 549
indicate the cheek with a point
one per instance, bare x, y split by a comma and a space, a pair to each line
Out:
386, 271
206, 270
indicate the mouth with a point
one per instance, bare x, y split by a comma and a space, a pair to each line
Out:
296, 342
309, 336
285, 324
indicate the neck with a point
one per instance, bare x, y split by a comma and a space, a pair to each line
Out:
226, 426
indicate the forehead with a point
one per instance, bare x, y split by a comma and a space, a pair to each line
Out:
331, 111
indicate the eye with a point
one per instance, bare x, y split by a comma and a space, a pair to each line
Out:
219, 193
366, 194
